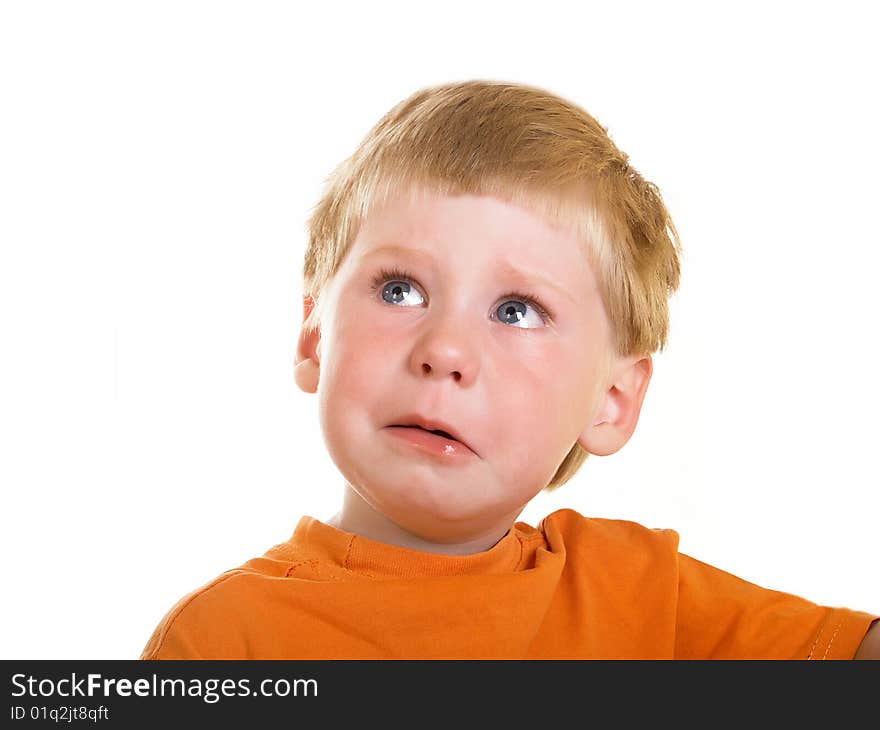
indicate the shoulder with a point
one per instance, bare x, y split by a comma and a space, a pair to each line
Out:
605, 547
609, 534
204, 622
180, 633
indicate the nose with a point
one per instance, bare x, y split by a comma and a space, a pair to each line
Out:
444, 349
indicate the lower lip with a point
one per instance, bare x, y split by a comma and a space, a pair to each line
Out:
429, 443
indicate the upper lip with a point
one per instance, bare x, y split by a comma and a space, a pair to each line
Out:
430, 424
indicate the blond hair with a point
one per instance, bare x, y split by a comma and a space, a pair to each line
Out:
527, 146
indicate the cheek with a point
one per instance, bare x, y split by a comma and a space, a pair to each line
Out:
355, 365
526, 404
546, 397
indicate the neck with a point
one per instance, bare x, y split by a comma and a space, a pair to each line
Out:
359, 518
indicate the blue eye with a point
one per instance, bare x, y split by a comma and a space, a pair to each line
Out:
396, 287
511, 308
396, 284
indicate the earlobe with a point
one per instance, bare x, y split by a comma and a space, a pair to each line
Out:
619, 409
307, 366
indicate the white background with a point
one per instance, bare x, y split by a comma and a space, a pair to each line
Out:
157, 164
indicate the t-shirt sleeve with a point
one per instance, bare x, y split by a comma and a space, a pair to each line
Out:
721, 616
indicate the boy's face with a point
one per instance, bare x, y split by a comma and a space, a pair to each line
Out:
453, 344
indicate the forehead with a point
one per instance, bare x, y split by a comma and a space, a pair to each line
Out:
475, 231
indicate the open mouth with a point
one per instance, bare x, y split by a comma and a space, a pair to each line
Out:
436, 442
428, 432
437, 432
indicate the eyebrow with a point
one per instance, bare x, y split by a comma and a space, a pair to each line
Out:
506, 268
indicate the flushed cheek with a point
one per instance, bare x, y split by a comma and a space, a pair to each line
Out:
525, 416
355, 342
532, 442
362, 391
549, 400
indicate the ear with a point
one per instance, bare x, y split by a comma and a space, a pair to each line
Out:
307, 367
619, 406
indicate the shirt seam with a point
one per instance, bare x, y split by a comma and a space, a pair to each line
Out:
345, 562
833, 637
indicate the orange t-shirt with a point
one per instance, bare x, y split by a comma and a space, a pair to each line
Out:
572, 588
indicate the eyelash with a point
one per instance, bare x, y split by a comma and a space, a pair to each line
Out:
396, 274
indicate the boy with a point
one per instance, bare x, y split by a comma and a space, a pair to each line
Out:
485, 281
